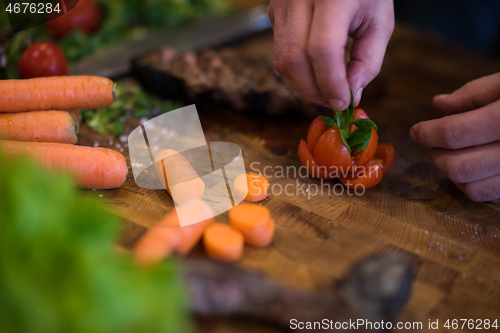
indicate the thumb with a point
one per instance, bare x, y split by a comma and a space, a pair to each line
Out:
473, 95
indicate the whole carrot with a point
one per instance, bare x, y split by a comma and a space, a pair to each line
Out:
41, 126
55, 93
77, 117
91, 167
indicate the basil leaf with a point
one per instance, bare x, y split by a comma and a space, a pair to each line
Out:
364, 124
347, 134
346, 143
350, 109
360, 147
329, 121
359, 137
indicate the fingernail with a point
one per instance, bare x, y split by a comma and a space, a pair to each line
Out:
359, 93
442, 96
413, 135
337, 105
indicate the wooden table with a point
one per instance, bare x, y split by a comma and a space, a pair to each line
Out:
454, 243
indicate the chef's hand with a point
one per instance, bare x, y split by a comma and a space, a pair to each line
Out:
466, 144
309, 46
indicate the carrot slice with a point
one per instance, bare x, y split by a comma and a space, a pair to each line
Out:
91, 167
223, 242
183, 182
262, 238
55, 93
249, 217
40, 126
257, 186
167, 235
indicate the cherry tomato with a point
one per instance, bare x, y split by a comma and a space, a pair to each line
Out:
42, 59
367, 176
385, 156
316, 130
364, 156
310, 163
85, 16
331, 152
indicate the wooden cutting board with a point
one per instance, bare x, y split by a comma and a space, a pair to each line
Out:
454, 243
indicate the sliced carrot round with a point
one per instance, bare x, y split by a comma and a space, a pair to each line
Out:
249, 217
223, 242
261, 238
251, 186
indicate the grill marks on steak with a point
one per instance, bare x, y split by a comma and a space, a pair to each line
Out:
223, 76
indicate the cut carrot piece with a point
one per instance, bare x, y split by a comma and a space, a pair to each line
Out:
168, 235
254, 185
55, 93
262, 238
248, 217
39, 126
178, 176
223, 242
91, 167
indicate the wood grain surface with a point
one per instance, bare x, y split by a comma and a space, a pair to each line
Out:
454, 243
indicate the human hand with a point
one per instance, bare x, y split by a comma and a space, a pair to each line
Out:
466, 144
309, 46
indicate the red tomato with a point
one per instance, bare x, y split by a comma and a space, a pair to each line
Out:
42, 59
367, 176
364, 156
331, 152
85, 16
310, 163
316, 130
385, 156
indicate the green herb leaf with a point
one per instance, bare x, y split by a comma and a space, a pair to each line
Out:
346, 133
360, 137
360, 147
59, 269
364, 124
329, 121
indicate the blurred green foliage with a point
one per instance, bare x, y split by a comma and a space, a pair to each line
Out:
122, 20
59, 272
133, 102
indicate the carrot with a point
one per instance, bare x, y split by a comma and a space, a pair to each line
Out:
251, 186
55, 93
223, 242
262, 238
42, 126
91, 167
178, 177
249, 218
168, 235
77, 117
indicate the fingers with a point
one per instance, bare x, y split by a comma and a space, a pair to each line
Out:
293, 52
277, 14
473, 95
458, 131
368, 50
326, 49
470, 164
483, 190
